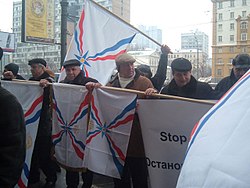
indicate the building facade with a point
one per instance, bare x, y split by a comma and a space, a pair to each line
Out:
141, 42
231, 34
52, 53
198, 59
195, 40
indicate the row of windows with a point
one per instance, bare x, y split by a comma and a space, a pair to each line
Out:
231, 49
243, 37
232, 16
243, 25
232, 3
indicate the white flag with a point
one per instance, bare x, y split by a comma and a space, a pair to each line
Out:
218, 152
70, 109
30, 96
98, 39
111, 118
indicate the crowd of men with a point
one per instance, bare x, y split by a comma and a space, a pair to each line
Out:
183, 84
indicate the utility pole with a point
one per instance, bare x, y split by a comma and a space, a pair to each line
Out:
64, 14
197, 58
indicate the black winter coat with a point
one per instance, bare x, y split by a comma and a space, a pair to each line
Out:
160, 75
226, 83
45, 122
194, 89
12, 139
79, 80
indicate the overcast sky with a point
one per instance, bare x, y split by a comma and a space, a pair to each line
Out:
172, 16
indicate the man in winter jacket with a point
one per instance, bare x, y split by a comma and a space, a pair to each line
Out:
184, 84
41, 157
241, 64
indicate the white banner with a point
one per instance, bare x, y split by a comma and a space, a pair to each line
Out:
70, 109
166, 126
30, 97
111, 118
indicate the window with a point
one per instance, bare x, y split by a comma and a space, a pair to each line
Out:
231, 26
244, 14
220, 61
220, 27
243, 25
231, 38
231, 49
244, 50
243, 36
219, 50
219, 38
220, 5
220, 16
231, 3
219, 72
244, 2
232, 15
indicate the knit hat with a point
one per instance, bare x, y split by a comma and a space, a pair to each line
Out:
12, 67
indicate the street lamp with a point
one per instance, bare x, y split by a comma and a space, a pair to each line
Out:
197, 58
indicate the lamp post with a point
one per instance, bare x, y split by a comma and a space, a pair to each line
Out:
64, 14
197, 58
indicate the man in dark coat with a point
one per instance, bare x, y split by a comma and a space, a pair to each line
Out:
12, 139
184, 84
74, 75
41, 157
160, 75
11, 72
241, 64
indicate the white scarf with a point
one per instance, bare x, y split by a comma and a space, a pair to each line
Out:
125, 81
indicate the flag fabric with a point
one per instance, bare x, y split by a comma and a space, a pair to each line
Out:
98, 39
70, 109
218, 152
30, 97
166, 126
111, 118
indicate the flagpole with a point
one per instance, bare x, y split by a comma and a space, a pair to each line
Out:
130, 91
159, 95
117, 17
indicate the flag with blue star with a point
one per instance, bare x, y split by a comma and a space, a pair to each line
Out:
98, 39
111, 118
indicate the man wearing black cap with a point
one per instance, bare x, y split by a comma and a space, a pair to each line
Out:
241, 64
74, 75
184, 84
11, 72
160, 75
41, 157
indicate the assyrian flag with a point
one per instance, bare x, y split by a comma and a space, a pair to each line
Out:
98, 39
30, 96
70, 109
218, 153
111, 119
